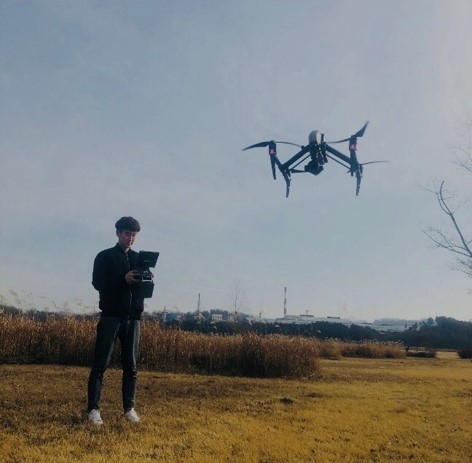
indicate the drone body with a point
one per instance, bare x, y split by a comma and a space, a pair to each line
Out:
317, 152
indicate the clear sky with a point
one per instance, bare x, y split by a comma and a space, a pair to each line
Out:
142, 108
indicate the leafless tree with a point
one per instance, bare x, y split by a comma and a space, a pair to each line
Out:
454, 239
236, 298
463, 151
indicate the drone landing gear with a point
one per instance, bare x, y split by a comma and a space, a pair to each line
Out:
287, 181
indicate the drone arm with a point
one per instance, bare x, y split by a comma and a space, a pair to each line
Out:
303, 159
354, 166
336, 153
274, 161
286, 165
285, 173
272, 165
339, 162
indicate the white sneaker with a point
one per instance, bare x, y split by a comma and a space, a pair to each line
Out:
132, 416
94, 416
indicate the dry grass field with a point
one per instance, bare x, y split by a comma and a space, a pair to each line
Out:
360, 410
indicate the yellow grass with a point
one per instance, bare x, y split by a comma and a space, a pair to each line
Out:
360, 410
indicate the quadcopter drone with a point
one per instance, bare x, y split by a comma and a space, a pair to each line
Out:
318, 151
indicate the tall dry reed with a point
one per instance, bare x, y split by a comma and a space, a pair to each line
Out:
69, 340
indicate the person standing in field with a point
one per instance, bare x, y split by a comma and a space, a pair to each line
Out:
114, 274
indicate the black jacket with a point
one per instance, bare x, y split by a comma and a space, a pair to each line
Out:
109, 270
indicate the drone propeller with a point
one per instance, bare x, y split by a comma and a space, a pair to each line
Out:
365, 163
359, 171
263, 144
372, 162
272, 153
354, 137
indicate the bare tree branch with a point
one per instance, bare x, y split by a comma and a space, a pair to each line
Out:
236, 297
463, 151
455, 241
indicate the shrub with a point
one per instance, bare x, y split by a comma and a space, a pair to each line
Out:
373, 349
427, 353
465, 353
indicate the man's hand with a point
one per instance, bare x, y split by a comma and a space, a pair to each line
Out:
132, 277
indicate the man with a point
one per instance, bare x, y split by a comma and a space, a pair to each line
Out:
114, 274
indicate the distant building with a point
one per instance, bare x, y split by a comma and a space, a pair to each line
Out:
387, 324
217, 317
306, 319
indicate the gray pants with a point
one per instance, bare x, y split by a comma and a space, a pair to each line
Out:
127, 331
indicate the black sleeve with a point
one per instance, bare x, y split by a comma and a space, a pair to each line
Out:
107, 275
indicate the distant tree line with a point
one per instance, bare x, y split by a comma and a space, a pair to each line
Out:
438, 333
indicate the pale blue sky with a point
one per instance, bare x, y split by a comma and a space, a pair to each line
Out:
112, 108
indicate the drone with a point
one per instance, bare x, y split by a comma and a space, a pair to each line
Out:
318, 152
